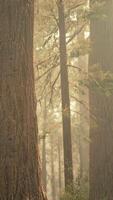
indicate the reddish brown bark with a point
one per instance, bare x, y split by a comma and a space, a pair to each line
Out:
19, 165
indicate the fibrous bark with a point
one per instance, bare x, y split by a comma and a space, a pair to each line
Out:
19, 163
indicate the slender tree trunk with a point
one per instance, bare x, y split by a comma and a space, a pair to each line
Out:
59, 166
101, 106
44, 172
19, 165
53, 187
81, 156
68, 168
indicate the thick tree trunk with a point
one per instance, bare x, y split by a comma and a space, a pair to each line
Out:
68, 168
101, 106
19, 166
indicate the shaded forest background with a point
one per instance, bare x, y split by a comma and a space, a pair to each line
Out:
56, 93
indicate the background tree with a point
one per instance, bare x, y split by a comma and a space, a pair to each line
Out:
101, 97
47, 68
44, 170
68, 166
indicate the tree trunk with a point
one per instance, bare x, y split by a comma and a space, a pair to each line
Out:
53, 188
101, 106
68, 168
19, 165
44, 172
59, 166
84, 118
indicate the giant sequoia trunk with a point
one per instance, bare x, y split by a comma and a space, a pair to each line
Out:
101, 106
68, 168
19, 166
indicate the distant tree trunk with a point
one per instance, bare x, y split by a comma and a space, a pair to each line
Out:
81, 156
68, 166
19, 165
59, 166
101, 106
84, 117
52, 171
44, 172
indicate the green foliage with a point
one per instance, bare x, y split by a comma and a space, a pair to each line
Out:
78, 192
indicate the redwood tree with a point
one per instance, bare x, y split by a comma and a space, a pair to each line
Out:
101, 107
19, 165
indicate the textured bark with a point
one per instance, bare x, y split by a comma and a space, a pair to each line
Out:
68, 168
101, 146
19, 166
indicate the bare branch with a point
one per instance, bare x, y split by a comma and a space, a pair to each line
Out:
76, 33
46, 72
74, 67
52, 88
